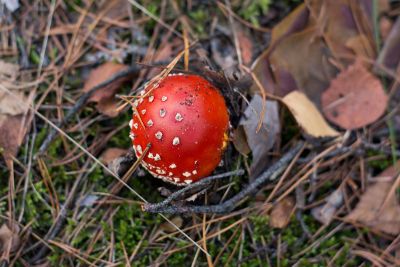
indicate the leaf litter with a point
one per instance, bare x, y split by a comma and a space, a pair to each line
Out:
105, 99
322, 63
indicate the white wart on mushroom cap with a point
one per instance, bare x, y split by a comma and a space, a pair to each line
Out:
185, 119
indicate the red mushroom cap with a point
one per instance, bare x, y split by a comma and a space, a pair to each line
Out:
185, 119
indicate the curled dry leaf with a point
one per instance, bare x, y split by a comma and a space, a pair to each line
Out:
260, 142
370, 210
9, 239
355, 98
106, 103
281, 213
307, 115
13, 125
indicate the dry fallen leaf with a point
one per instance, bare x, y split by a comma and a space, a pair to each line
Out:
307, 115
281, 213
262, 141
12, 133
112, 153
104, 97
305, 44
9, 239
355, 98
13, 125
369, 210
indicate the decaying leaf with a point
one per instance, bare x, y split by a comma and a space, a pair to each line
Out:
281, 213
355, 98
106, 103
9, 239
307, 115
13, 125
260, 142
370, 210
112, 153
12, 133
306, 42
9, 104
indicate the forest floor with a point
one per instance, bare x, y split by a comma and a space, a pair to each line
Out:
310, 176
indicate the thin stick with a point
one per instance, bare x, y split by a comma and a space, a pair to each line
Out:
81, 102
269, 175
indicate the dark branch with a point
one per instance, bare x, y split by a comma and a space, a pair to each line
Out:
178, 194
269, 175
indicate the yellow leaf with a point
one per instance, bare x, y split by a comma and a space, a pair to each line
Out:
307, 115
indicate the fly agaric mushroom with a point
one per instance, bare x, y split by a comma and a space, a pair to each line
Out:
185, 119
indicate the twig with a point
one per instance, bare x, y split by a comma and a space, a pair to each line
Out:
176, 195
81, 102
269, 175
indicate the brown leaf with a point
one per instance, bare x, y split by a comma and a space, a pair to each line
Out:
307, 115
165, 52
112, 153
357, 45
301, 60
105, 96
297, 58
12, 132
101, 74
108, 107
355, 98
10, 105
340, 21
368, 210
307, 41
281, 213
13, 124
9, 239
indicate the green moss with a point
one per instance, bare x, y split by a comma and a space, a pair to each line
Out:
34, 56
381, 164
254, 10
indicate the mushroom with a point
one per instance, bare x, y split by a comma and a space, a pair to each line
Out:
185, 119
